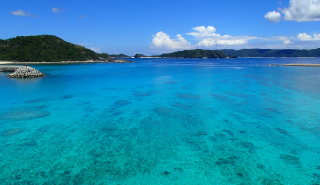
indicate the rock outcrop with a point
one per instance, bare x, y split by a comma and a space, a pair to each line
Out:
28, 72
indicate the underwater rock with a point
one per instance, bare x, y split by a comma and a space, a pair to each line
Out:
202, 133
166, 172
189, 96
12, 132
246, 144
282, 131
164, 111
229, 132
230, 160
181, 105
67, 96
240, 174
220, 135
38, 100
122, 102
171, 82
261, 166
141, 94
291, 159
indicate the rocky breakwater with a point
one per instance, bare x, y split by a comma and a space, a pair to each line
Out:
23, 72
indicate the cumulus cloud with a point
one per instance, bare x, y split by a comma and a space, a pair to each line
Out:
202, 31
210, 38
57, 10
163, 40
306, 37
316, 36
302, 10
273, 16
22, 13
287, 42
298, 10
95, 49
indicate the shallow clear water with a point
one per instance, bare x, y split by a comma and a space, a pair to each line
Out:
163, 121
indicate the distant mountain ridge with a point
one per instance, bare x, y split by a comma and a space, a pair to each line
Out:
272, 52
197, 53
45, 48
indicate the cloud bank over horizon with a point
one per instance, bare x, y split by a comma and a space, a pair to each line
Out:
207, 38
298, 10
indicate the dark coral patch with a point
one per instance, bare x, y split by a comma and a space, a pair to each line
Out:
188, 95
171, 82
181, 105
122, 102
39, 100
291, 159
282, 131
12, 132
141, 94
67, 96
23, 114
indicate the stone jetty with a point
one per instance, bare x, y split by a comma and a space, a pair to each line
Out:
21, 72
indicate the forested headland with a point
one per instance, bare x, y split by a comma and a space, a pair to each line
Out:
48, 48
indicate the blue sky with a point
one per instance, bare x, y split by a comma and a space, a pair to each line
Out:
154, 27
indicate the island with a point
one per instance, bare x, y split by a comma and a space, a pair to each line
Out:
197, 53
119, 56
272, 52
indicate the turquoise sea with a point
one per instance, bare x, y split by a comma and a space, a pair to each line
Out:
163, 121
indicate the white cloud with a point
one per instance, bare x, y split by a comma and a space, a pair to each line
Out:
298, 10
278, 38
287, 42
95, 49
207, 43
210, 38
203, 31
22, 13
162, 40
273, 16
57, 10
302, 10
304, 37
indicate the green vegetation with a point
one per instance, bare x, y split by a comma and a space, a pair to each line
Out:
120, 56
198, 53
44, 48
139, 55
272, 52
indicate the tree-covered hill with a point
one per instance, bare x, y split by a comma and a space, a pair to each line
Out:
44, 48
197, 53
272, 52
119, 55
